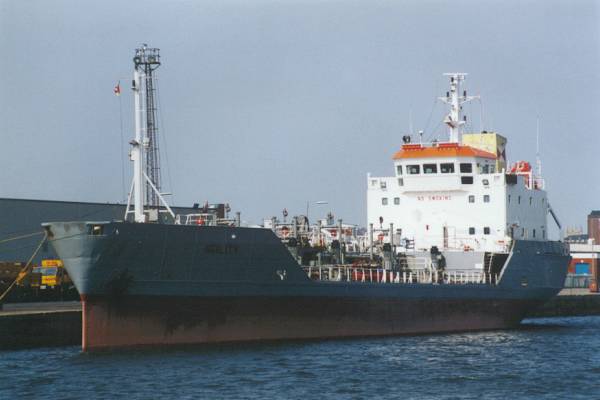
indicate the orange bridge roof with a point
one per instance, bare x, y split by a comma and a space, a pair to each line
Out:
440, 150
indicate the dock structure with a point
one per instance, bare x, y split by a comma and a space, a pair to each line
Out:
570, 303
26, 325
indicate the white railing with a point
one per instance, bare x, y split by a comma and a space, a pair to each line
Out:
204, 219
377, 275
196, 219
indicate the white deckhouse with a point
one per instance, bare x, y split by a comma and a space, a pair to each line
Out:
457, 195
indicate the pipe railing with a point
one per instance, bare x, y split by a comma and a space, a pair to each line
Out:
378, 275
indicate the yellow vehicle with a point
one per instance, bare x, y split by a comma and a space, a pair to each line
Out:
47, 282
51, 274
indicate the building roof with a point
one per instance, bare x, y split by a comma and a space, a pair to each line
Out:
595, 213
445, 150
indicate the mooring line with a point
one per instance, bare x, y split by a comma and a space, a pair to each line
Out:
21, 237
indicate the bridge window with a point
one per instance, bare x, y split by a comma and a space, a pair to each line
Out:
383, 184
466, 180
471, 231
466, 168
430, 168
486, 198
399, 169
413, 169
509, 199
373, 182
471, 199
396, 201
384, 201
486, 230
486, 168
447, 168
533, 233
96, 230
400, 182
530, 200
519, 200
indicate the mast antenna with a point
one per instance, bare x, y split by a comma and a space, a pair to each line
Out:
538, 160
455, 100
145, 186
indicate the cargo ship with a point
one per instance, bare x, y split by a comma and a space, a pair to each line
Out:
456, 241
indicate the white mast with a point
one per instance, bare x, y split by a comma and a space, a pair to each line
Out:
141, 183
538, 161
454, 119
137, 154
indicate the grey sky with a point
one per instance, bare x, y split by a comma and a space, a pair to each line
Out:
269, 104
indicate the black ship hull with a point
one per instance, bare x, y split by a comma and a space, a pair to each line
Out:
145, 284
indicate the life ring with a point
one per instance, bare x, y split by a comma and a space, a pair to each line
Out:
333, 232
200, 221
380, 237
285, 231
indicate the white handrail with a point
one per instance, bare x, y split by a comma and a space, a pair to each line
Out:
383, 276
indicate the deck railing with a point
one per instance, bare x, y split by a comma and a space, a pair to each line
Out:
376, 275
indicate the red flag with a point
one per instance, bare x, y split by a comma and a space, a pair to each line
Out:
117, 89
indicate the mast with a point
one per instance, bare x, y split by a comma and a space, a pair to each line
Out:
454, 119
538, 161
136, 154
147, 60
145, 185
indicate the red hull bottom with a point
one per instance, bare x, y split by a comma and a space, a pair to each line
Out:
136, 321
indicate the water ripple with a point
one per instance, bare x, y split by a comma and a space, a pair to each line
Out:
551, 358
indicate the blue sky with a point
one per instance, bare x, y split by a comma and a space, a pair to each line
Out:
270, 104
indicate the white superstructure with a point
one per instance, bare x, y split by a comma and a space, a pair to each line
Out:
457, 194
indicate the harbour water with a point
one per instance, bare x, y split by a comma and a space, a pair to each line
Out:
547, 358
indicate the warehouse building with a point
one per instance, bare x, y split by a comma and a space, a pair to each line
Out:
21, 219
